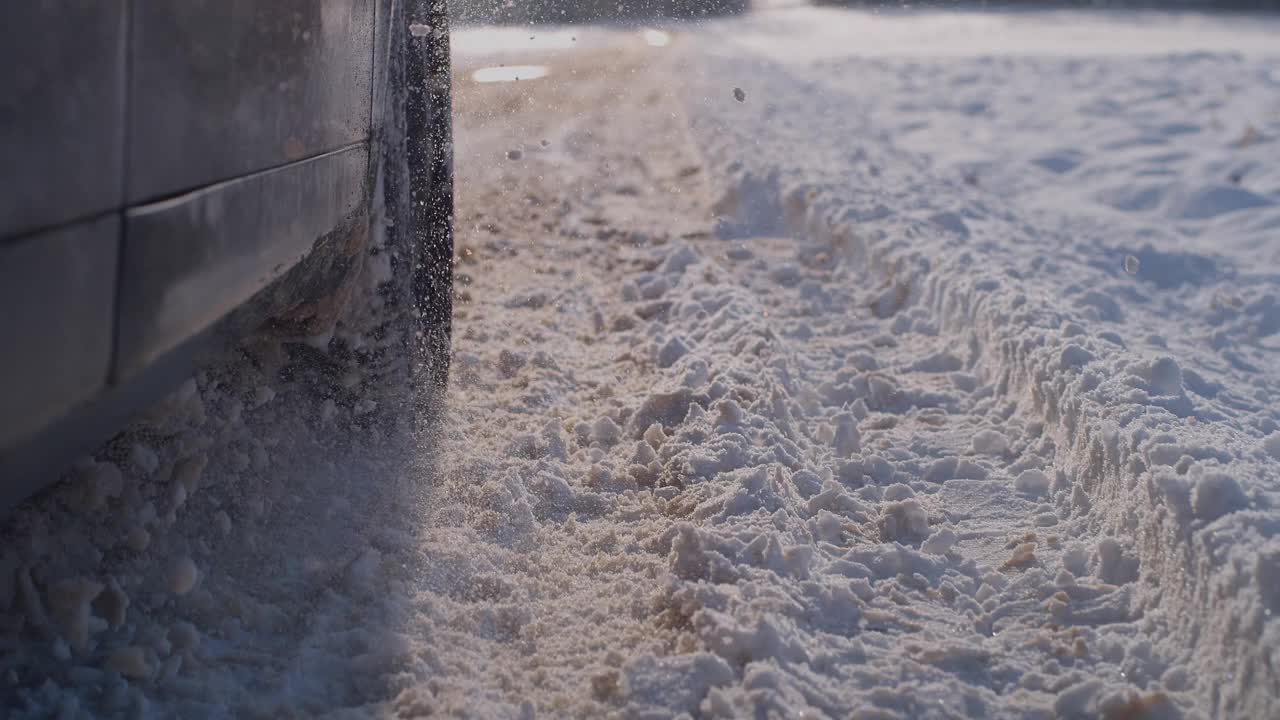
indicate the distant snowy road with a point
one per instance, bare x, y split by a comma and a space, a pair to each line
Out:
934, 374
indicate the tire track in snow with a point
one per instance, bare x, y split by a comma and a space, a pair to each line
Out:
1145, 533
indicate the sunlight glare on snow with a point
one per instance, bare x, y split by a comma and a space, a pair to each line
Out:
510, 74
656, 38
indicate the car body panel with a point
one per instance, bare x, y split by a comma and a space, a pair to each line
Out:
58, 305
245, 86
147, 218
63, 80
190, 261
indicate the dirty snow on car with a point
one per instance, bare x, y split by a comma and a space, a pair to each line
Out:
807, 363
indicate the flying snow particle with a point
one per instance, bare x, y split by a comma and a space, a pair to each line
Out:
419, 30
1131, 264
739, 94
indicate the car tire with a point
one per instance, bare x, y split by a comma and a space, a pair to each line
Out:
415, 188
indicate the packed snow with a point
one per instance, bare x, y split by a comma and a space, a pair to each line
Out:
812, 364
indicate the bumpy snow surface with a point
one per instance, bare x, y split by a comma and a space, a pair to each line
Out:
806, 366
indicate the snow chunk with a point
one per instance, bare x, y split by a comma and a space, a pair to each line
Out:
679, 260
671, 352
262, 396
1111, 564
187, 474
903, 521
990, 442
940, 542
848, 441
1032, 482
729, 413
98, 483
1215, 494
655, 287
665, 409
676, 683
655, 436
143, 459
1074, 356
131, 662
688, 558
184, 637
1271, 444
70, 602
786, 274
112, 604
510, 363
183, 576
138, 538
1163, 375
883, 391
362, 573
606, 432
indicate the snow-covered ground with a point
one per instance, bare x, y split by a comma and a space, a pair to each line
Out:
933, 374
1055, 324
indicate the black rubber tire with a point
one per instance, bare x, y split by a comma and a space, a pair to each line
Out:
417, 177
